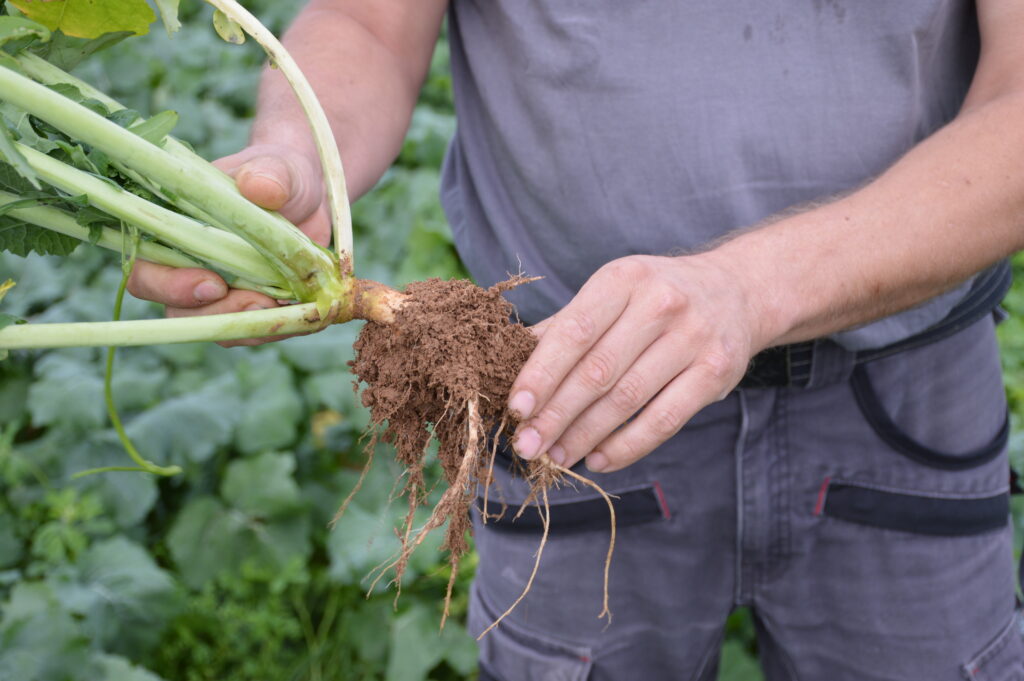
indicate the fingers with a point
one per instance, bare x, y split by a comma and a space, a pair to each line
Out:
594, 376
277, 178
181, 288
566, 338
235, 301
707, 380
655, 368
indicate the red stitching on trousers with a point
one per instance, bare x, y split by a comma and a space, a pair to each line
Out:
820, 506
666, 513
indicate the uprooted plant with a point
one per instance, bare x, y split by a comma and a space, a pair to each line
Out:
437, 360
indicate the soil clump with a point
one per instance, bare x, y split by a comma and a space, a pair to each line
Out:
443, 370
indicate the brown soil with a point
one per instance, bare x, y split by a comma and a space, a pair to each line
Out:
452, 345
443, 369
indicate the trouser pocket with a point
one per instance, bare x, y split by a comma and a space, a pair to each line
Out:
1002, 659
908, 511
510, 652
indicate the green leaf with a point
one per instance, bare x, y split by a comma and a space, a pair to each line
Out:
21, 238
114, 668
211, 414
8, 319
88, 18
169, 14
11, 546
40, 638
262, 486
68, 392
228, 29
67, 52
272, 412
156, 128
20, 124
209, 540
126, 498
19, 28
123, 599
9, 154
414, 645
737, 664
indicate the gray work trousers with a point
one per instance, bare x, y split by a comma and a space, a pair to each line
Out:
863, 519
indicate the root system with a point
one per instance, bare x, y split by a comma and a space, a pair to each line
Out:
443, 370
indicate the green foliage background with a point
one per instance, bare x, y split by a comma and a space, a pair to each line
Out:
229, 572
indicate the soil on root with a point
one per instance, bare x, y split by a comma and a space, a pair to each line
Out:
443, 369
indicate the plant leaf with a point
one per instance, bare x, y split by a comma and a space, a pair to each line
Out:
272, 412
115, 668
123, 598
88, 18
8, 319
227, 28
155, 128
18, 28
262, 486
40, 638
169, 13
211, 413
67, 52
208, 540
10, 155
21, 238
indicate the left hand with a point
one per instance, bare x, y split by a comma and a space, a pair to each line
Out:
668, 335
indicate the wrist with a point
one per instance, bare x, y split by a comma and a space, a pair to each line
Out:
754, 279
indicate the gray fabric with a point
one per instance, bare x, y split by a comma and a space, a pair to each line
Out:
832, 599
593, 130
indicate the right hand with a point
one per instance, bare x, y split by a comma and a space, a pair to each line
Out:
275, 177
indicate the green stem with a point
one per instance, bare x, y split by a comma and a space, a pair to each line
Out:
310, 269
116, 469
108, 396
45, 72
288, 319
57, 220
323, 136
219, 248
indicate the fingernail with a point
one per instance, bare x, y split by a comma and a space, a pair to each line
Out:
254, 307
527, 443
522, 404
596, 462
557, 454
209, 291
271, 178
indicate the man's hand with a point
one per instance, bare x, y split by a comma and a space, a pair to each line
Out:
674, 334
271, 176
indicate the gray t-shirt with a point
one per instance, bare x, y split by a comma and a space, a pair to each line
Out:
588, 131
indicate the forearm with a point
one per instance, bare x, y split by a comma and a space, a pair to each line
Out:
366, 67
949, 208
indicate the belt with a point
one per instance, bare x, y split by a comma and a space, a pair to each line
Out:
795, 365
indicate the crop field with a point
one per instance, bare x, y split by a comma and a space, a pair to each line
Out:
229, 571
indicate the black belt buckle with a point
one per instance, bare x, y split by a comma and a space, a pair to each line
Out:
784, 366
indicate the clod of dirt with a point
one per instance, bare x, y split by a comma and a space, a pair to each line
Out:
452, 344
444, 369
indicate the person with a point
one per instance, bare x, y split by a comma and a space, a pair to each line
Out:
778, 224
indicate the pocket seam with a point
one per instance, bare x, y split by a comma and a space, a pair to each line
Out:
580, 657
1003, 489
1004, 638
890, 433
921, 514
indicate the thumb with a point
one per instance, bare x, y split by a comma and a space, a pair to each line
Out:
276, 179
